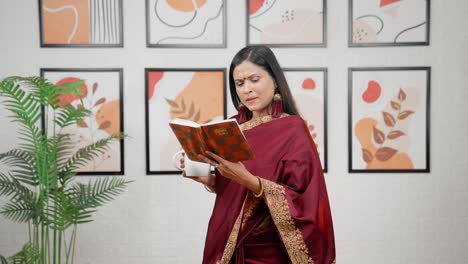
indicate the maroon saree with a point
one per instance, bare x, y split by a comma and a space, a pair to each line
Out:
291, 222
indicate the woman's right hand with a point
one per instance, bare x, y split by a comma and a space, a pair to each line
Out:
208, 181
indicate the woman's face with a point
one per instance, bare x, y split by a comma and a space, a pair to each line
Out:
255, 87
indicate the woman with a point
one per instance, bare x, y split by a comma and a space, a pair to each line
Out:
273, 209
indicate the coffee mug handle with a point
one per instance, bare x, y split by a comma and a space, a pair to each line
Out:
176, 160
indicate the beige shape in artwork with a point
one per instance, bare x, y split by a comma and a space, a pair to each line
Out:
306, 27
392, 11
201, 100
363, 32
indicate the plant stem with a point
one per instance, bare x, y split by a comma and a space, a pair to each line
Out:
75, 229
60, 247
29, 232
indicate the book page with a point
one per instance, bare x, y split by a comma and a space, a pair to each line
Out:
184, 122
220, 121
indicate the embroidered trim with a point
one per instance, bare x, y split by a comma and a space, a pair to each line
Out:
249, 204
259, 120
291, 236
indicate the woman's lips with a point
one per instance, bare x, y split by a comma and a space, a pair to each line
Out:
251, 99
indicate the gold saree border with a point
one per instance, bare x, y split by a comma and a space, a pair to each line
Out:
294, 243
250, 203
259, 120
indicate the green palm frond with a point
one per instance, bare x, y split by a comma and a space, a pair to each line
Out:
15, 156
21, 207
3, 260
10, 186
45, 92
23, 165
99, 192
64, 146
69, 115
87, 154
27, 255
18, 211
23, 105
83, 216
23, 175
60, 212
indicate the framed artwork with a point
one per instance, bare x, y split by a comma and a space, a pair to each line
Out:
309, 89
81, 24
195, 94
386, 23
186, 24
103, 95
389, 119
292, 23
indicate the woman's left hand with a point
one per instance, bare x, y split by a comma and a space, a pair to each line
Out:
235, 171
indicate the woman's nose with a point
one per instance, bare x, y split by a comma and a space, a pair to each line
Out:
247, 88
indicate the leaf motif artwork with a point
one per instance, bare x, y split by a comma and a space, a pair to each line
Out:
389, 133
194, 94
101, 92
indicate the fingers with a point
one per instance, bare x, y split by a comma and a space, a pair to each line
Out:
207, 160
215, 157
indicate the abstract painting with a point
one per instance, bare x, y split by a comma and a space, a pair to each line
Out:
292, 23
389, 119
90, 23
186, 23
375, 23
194, 94
103, 95
309, 89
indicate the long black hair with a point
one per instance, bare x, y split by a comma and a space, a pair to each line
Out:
263, 57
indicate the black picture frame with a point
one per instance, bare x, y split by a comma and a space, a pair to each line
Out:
351, 70
109, 30
149, 171
323, 44
121, 171
352, 44
155, 45
324, 70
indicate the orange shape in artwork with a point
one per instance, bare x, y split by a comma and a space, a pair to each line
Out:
308, 84
364, 134
65, 22
108, 117
372, 92
185, 5
387, 2
153, 79
68, 98
254, 6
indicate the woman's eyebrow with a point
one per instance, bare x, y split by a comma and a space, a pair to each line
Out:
248, 77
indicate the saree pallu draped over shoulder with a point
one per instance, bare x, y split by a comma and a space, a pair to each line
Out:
291, 222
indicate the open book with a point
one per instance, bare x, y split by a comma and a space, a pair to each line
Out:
224, 138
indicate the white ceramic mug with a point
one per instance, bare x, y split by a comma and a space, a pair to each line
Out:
192, 168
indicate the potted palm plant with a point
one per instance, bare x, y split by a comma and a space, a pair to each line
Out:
39, 181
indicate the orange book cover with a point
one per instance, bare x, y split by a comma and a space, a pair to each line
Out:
225, 138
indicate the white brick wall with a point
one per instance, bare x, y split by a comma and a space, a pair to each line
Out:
378, 218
